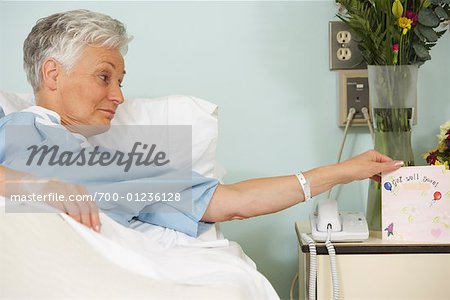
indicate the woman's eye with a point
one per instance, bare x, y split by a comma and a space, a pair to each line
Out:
104, 78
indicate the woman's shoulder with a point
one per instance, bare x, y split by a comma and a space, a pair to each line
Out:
30, 116
18, 118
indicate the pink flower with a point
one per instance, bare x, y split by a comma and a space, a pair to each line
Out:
432, 157
413, 16
395, 47
447, 139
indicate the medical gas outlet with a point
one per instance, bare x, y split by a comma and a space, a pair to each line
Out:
353, 93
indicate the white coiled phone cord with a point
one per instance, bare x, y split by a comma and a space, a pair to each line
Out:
333, 265
312, 267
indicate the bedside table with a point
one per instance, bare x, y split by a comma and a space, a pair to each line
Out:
377, 269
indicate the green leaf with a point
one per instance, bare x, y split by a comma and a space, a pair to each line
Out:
426, 3
429, 46
419, 34
428, 18
436, 2
441, 13
396, 34
441, 33
421, 51
429, 34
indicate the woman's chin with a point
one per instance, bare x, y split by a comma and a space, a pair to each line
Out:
90, 130
99, 129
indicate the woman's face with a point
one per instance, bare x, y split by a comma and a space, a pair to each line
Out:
90, 92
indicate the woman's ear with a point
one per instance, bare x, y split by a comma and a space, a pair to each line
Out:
50, 72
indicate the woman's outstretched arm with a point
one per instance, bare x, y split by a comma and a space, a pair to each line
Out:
262, 196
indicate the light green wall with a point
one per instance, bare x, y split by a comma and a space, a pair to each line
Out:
266, 65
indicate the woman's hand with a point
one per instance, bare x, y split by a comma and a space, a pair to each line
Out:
369, 164
78, 202
84, 211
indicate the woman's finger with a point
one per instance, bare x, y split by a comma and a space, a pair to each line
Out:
94, 215
381, 157
85, 213
72, 210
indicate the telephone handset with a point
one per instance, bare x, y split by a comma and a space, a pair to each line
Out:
345, 226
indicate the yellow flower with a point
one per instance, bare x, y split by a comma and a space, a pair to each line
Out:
438, 163
443, 131
404, 23
397, 9
441, 147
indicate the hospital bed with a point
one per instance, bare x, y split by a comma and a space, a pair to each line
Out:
50, 256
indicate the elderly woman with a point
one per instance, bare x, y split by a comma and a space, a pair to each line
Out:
74, 62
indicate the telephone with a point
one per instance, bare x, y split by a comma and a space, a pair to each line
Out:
345, 226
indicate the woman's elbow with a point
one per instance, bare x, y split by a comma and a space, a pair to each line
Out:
224, 205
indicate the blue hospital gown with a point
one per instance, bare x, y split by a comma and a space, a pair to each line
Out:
39, 126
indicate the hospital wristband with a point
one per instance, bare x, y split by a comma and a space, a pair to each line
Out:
305, 185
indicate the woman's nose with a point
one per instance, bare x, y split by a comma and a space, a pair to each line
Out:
116, 94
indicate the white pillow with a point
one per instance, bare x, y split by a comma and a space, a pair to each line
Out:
169, 110
11, 102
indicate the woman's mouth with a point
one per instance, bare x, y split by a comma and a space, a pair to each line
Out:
108, 112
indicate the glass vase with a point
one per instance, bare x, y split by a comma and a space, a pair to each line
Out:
393, 95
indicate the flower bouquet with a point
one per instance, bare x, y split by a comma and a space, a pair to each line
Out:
395, 37
441, 154
396, 32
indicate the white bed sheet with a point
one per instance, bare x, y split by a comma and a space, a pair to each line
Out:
172, 257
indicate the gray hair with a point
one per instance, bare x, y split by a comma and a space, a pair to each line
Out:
63, 36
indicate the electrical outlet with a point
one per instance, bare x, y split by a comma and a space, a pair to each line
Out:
344, 52
343, 37
353, 92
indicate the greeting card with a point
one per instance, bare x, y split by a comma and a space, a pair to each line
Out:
416, 204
